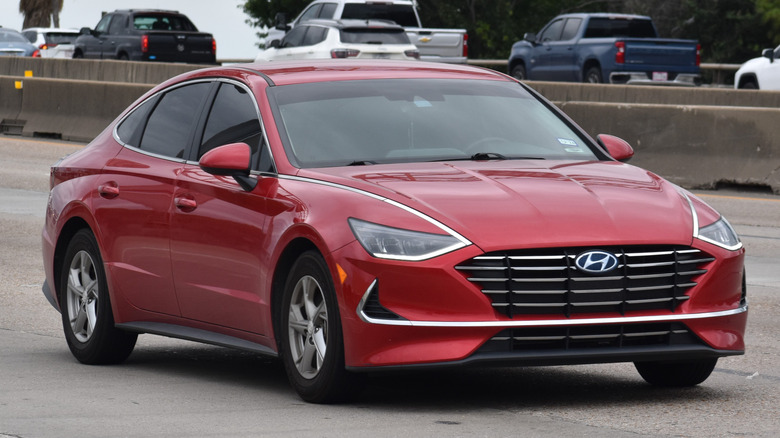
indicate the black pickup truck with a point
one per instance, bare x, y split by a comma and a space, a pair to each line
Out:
146, 35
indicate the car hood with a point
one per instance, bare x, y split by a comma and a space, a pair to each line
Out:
514, 204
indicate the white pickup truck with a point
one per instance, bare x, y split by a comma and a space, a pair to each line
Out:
440, 45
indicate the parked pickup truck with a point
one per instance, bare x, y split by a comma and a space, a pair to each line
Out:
622, 49
146, 35
441, 45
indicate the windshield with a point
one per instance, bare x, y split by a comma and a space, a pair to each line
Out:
9, 37
330, 124
402, 14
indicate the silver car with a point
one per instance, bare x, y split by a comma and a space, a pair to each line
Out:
12, 43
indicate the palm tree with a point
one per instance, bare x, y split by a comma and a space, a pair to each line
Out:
39, 13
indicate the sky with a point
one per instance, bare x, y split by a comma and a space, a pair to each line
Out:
235, 38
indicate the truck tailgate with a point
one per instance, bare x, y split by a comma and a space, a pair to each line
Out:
191, 47
661, 53
444, 45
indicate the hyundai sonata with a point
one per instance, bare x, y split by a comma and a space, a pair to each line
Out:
375, 215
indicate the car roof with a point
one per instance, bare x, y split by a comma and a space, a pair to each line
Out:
323, 70
607, 15
354, 24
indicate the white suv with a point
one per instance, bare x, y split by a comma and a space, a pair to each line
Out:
760, 73
342, 39
52, 42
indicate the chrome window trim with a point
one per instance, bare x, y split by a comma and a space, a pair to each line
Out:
182, 84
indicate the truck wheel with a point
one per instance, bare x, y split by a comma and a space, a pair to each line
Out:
676, 374
311, 343
86, 308
518, 72
78, 55
593, 75
749, 85
123, 57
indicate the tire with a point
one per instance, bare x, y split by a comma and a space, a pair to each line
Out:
593, 76
676, 374
78, 55
311, 341
518, 72
123, 57
749, 85
85, 306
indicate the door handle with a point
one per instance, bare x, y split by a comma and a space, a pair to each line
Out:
108, 190
186, 204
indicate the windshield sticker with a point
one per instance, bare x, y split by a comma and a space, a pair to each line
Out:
567, 142
421, 103
574, 150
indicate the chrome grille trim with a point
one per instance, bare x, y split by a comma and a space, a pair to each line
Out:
546, 281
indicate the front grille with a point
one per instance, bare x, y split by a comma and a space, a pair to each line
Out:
598, 337
547, 282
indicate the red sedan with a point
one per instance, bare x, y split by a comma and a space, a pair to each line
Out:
358, 216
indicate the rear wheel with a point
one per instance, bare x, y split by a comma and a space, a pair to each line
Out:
312, 346
593, 75
87, 318
676, 374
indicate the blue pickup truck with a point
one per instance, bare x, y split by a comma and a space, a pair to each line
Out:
601, 47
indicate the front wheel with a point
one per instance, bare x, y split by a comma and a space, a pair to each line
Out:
311, 342
87, 318
676, 374
518, 72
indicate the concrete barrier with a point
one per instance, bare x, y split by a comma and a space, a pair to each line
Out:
575, 92
93, 69
693, 146
73, 110
10, 105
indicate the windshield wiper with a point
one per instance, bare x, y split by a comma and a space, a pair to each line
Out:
479, 156
361, 163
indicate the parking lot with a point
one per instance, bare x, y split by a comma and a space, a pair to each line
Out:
176, 388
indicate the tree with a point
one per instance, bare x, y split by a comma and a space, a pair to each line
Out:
39, 13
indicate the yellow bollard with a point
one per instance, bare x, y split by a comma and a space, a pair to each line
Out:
28, 73
18, 85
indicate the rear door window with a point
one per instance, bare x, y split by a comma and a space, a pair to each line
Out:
171, 123
571, 28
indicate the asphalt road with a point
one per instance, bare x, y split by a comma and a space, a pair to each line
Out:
177, 388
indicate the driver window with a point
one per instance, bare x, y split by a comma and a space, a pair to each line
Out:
310, 13
102, 25
232, 119
553, 31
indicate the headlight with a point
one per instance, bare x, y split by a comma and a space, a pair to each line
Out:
722, 234
398, 244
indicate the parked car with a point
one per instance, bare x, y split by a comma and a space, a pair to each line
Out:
760, 73
438, 45
362, 216
599, 47
51, 41
12, 43
342, 39
146, 35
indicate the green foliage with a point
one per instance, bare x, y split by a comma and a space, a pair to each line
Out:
730, 31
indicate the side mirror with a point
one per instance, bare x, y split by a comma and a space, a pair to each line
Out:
85, 31
769, 54
530, 37
617, 148
280, 22
230, 160
275, 44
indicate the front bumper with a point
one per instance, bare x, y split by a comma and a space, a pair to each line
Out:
402, 315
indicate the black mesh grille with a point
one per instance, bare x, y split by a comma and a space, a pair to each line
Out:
597, 337
547, 282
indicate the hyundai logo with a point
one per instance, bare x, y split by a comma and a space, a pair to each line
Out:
596, 262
